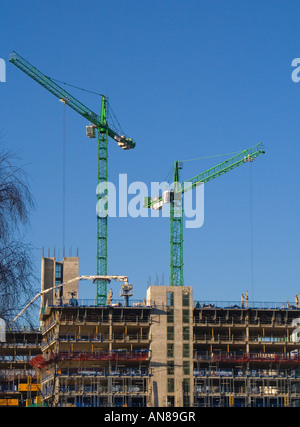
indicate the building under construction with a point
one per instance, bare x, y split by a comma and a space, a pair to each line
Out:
165, 351
19, 382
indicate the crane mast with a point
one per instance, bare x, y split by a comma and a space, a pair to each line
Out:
104, 132
176, 229
101, 285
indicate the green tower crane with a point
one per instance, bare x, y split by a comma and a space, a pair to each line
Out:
104, 132
176, 203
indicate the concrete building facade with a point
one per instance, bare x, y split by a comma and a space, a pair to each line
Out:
165, 351
171, 345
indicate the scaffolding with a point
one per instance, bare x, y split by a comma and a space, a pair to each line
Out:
249, 380
95, 356
116, 378
19, 382
245, 356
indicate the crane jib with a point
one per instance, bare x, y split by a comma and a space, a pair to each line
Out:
45, 81
244, 156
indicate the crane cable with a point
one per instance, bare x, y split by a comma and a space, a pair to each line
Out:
210, 157
111, 114
63, 176
198, 158
76, 87
251, 234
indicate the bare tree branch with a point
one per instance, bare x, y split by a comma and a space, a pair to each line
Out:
16, 266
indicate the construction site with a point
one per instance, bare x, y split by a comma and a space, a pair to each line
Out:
165, 350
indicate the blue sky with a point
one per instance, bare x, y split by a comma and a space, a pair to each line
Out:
186, 79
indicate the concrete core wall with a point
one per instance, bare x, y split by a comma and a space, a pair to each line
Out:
171, 345
53, 273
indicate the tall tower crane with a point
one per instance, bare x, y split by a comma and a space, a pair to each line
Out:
104, 132
174, 197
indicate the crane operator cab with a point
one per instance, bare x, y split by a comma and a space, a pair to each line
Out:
90, 131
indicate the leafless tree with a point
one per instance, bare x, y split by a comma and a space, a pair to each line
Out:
16, 267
